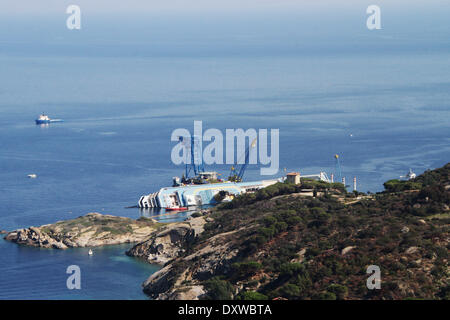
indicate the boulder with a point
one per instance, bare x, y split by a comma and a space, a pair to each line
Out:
168, 242
347, 250
412, 250
184, 293
301, 256
405, 229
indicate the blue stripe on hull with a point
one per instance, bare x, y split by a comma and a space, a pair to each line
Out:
42, 121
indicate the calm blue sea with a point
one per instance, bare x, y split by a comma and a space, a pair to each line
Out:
379, 99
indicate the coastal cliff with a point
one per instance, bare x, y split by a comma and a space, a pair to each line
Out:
90, 230
181, 278
277, 244
169, 241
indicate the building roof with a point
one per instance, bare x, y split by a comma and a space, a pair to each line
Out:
293, 173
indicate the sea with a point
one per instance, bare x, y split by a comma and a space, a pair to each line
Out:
380, 99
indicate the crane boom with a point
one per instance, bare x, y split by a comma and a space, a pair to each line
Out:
237, 176
193, 147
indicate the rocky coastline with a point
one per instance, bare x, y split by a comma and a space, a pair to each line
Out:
156, 243
277, 245
90, 230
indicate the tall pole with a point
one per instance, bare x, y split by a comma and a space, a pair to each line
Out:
338, 167
354, 183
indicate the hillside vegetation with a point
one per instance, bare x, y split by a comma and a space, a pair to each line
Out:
280, 244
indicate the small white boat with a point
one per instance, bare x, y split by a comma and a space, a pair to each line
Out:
90, 252
32, 176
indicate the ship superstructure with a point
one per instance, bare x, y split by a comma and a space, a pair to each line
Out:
44, 119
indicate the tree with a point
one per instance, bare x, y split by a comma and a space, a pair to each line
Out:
339, 290
218, 289
246, 268
253, 295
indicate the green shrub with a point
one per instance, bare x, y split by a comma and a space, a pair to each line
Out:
327, 296
312, 252
248, 268
339, 290
196, 214
291, 269
253, 295
290, 291
396, 185
218, 289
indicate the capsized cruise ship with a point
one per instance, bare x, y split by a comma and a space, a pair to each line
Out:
200, 194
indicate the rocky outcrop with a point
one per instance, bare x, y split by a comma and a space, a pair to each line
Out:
347, 250
3, 231
169, 242
184, 293
93, 229
181, 278
300, 256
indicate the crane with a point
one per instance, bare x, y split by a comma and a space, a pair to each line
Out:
237, 175
192, 145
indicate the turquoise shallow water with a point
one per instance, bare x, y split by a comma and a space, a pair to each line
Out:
380, 100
